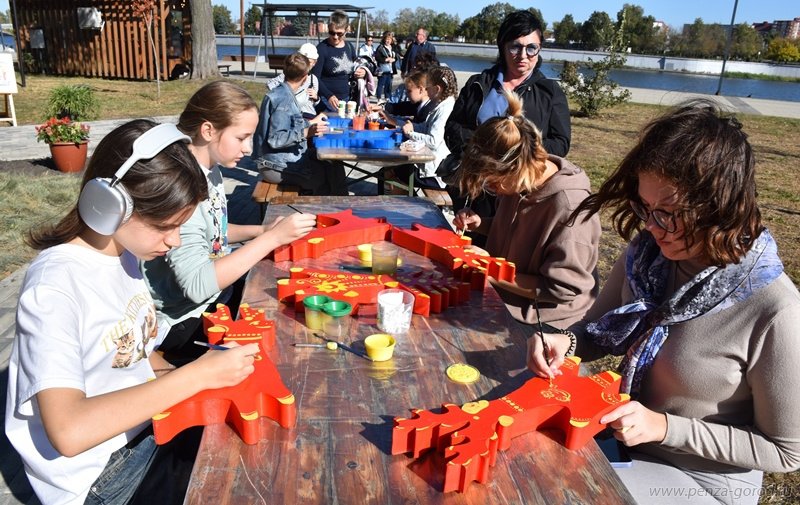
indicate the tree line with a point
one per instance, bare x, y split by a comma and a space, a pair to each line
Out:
641, 34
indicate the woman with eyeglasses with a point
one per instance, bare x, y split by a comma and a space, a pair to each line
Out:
336, 64
701, 310
519, 41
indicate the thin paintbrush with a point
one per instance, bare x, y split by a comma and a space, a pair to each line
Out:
294, 209
541, 335
461, 231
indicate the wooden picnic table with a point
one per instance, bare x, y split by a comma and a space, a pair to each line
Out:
383, 158
340, 449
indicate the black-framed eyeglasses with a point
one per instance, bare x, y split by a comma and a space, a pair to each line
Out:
531, 50
335, 34
667, 221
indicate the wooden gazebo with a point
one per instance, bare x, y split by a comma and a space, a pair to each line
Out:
103, 38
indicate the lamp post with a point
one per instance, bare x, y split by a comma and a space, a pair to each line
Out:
727, 48
20, 59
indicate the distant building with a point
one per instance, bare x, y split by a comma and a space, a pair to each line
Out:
763, 28
788, 29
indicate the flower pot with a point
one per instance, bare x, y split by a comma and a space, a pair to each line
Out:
69, 157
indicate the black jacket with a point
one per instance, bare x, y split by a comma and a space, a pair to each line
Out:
543, 102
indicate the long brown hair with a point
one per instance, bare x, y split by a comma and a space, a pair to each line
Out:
160, 187
505, 152
707, 157
218, 102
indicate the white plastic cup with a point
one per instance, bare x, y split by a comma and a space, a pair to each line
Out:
395, 308
351, 109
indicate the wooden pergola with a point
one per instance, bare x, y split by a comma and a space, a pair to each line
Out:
270, 11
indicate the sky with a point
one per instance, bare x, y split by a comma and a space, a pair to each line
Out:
673, 12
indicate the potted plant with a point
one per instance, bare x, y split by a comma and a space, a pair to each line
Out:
68, 141
78, 102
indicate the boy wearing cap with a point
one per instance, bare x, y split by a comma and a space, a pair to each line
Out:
307, 95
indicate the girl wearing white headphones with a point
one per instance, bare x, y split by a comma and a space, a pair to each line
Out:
221, 118
83, 379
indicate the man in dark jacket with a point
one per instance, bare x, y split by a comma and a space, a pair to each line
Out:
420, 44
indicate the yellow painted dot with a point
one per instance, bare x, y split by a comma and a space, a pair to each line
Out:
462, 373
315, 240
332, 346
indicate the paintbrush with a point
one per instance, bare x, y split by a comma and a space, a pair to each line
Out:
344, 346
294, 208
541, 335
460, 232
216, 347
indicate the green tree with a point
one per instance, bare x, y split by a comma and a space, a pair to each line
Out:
595, 90
490, 18
566, 31
746, 42
5, 17
379, 21
597, 31
783, 50
404, 22
445, 25
222, 20
302, 23
252, 19
469, 29
640, 34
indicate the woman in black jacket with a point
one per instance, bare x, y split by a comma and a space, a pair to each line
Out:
519, 41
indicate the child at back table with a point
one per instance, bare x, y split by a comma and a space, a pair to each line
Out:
435, 92
220, 118
84, 381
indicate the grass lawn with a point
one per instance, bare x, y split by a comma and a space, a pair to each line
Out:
598, 146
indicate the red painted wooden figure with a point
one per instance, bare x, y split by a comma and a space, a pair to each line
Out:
334, 231
262, 394
452, 251
470, 436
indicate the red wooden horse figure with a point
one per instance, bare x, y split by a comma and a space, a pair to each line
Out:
262, 394
470, 436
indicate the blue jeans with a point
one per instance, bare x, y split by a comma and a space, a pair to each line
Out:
124, 472
384, 85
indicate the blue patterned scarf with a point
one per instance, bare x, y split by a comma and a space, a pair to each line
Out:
640, 328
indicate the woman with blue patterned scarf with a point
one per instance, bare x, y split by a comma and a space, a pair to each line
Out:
702, 313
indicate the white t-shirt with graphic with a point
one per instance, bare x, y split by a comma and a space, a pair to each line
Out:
85, 321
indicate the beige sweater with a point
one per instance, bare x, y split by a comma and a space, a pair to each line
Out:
555, 260
729, 382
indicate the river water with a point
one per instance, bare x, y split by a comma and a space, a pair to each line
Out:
648, 79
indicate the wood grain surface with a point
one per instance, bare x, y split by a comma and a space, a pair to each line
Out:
339, 450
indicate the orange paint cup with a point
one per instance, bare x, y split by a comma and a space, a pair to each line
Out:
374, 125
359, 122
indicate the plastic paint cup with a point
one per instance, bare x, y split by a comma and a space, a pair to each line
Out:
374, 125
342, 108
336, 318
359, 122
313, 309
395, 308
351, 108
365, 254
384, 258
380, 346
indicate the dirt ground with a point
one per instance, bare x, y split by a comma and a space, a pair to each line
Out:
33, 167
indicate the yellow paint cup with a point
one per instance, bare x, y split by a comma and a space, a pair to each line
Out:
380, 346
365, 254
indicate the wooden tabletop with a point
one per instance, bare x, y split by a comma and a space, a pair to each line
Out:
384, 157
339, 450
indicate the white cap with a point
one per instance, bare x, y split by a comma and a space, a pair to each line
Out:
309, 51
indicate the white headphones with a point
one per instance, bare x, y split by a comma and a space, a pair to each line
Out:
104, 204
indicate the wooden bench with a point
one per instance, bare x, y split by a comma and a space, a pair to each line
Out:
276, 61
438, 196
265, 191
225, 69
